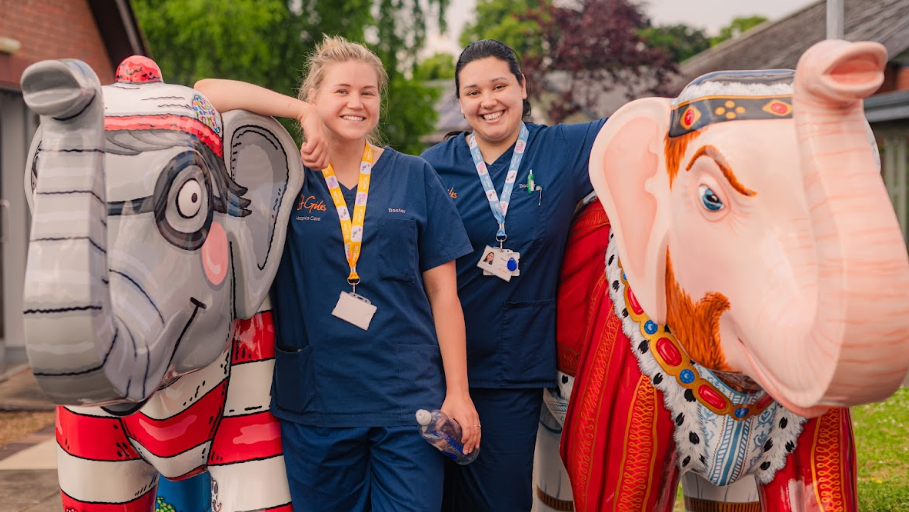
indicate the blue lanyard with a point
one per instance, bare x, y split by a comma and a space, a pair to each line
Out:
499, 207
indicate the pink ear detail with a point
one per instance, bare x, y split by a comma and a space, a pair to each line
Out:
215, 255
629, 164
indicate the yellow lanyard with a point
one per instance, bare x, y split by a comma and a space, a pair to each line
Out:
352, 231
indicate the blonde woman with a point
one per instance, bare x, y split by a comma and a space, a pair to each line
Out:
365, 301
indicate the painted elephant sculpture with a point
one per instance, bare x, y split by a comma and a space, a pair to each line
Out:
742, 281
157, 230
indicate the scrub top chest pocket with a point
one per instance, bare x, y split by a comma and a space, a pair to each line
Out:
526, 221
397, 244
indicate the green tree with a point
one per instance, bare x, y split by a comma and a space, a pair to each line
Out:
438, 66
679, 41
266, 42
592, 48
736, 27
507, 21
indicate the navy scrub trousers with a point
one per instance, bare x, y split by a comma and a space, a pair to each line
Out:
510, 419
380, 469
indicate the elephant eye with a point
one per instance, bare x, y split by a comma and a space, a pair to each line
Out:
183, 205
709, 199
189, 199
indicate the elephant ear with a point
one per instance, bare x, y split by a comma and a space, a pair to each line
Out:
628, 172
263, 158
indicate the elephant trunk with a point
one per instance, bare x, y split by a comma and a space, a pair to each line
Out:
856, 349
70, 333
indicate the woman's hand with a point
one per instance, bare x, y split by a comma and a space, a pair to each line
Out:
314, 151
459, 407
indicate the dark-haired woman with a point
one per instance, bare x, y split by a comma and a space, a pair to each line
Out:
516, 185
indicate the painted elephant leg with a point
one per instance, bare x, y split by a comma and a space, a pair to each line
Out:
820, 474
552, 488
702, 496
97, 466
247, 444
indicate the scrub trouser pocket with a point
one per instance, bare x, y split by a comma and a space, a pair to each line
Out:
500, 480
361, 469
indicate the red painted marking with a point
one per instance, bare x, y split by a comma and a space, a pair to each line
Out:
92, 437
669, 352
689, 117
764, 401
183, 124
242, 438
633, 301
287, 507
712, 397
138, 70
143, 503
191, 427
254, 339
779, 108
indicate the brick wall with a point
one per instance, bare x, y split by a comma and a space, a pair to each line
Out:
50, 29
902, 78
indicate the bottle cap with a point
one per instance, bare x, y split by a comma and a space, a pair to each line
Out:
424, 417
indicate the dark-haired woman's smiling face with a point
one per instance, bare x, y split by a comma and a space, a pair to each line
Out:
492, 100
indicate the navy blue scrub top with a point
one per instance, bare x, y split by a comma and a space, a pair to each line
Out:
329, 372
511, 325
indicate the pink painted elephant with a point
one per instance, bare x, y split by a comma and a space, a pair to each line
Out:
755, 283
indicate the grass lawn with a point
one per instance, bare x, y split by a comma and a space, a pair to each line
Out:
882, 443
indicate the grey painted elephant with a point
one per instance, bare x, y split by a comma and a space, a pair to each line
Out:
156, 229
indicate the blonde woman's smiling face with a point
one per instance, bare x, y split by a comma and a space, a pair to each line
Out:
348, 99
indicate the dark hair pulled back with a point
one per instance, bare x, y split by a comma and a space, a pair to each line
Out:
485, 48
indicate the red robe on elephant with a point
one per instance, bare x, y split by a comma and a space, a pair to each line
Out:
619, 442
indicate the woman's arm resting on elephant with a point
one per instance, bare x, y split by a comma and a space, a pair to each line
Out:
231, 95
442, 291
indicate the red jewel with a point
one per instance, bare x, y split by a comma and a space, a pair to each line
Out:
764, 401
669, 352
712, 397
689, 117
138, 70
779, 108
633, 302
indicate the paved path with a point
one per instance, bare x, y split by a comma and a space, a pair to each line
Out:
28, 466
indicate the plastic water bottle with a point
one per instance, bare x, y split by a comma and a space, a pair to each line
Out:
445, 434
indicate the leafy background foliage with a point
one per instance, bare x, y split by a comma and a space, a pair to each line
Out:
266, 42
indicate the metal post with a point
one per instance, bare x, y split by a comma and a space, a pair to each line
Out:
835, 15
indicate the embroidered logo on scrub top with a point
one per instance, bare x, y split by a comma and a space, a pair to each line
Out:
452, 193
309, 203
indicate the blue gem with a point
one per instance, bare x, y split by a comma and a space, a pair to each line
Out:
623, 277
512, 264
687, 376
650, 327
741, 412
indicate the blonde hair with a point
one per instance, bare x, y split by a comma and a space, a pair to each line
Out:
336, 50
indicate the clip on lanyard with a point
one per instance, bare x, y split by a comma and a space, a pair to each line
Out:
351, 229
499, 206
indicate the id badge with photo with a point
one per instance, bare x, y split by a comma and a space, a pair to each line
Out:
354, 309
502, 263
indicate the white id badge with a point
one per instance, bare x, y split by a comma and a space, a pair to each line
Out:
496, 262
509, 254
354, 309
